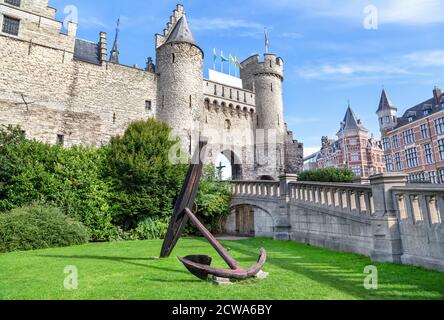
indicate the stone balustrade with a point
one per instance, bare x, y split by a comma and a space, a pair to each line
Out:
347, 198
420, 204
388, 219
260, 189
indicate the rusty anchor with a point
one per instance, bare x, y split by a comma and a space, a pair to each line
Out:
200, 265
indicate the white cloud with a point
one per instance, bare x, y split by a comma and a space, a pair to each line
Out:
350, 69
92, 22
404, 12
432, 58
205, 24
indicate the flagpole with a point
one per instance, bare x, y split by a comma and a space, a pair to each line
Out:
221, 61
229, 64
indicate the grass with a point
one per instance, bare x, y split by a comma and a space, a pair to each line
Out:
131, 270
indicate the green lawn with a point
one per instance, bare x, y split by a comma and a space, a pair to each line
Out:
130, 270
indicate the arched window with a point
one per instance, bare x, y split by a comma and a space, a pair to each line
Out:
227, 124
173, 57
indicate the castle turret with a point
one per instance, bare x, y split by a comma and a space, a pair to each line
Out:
265, 78
180, 77
387, 113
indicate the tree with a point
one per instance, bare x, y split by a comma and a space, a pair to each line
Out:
145, 182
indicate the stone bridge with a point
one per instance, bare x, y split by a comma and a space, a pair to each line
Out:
385, 219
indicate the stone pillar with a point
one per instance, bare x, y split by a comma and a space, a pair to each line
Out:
282, 230
103, 48
387, 245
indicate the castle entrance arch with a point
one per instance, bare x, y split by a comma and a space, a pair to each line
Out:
229, 166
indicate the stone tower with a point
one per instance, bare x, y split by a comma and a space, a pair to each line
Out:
265, 78
387, 113
179, 65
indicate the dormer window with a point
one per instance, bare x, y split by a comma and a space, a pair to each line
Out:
13, 2
426, 112
410, 119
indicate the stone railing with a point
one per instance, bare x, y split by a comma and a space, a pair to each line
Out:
348, 198
420, 203
260, 189
388, 220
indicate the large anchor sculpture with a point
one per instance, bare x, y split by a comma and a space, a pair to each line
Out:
200, 265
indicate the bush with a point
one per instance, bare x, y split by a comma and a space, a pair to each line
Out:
328, 175
68, 178
151, 229
145, 182
38, 227
213, 199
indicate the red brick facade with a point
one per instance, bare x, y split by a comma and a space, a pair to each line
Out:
415, 143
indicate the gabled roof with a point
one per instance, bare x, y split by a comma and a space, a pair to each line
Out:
181, 32
385, 102
87, 51
351, 122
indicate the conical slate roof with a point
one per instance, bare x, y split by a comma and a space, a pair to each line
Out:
385, 102
351, 122
181, 32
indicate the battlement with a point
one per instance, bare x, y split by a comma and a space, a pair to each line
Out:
271, 65
178, 13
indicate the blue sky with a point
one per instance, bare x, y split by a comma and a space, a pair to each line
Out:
330, 57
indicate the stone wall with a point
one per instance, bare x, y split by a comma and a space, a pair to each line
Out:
48, 93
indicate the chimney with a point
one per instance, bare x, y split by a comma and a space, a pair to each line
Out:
103, 48
437, 93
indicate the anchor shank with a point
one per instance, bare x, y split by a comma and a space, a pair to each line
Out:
212, 240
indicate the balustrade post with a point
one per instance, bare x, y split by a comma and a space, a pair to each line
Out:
282, 230
387, 245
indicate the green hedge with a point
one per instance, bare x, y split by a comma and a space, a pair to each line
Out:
38, 227
124, 190
328, 175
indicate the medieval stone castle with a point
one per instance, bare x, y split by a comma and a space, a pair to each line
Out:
60, 89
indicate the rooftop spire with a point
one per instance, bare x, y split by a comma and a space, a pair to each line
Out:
385, 102
351, 121
114, 58
181, 32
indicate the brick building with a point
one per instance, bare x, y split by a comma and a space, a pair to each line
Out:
414, 143
364, 155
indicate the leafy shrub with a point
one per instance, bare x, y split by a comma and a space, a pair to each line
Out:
145, 182
340, 175
68, 178
213, 199
38, 227
151, 229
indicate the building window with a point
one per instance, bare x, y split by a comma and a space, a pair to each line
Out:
432, 177
412, 157
357, 170
410, 119
13, 2
355, 157
381, 120
417, 177
398, 162
439, 126
386, 144
11, 25
148, 105
388, 163
424, 131
227, 124
60, 139
441, 148
173, 57
409, 136
428, 153
441, 175
395, 141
